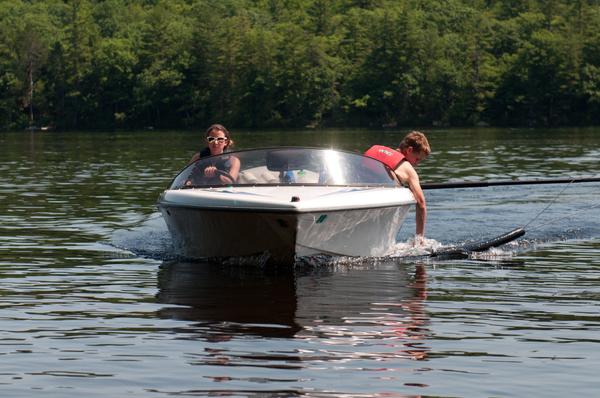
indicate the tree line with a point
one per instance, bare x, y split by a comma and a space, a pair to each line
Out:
105, 64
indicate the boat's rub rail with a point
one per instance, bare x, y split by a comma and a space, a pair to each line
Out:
291, 208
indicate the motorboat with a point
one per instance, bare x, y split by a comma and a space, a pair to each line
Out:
287, 203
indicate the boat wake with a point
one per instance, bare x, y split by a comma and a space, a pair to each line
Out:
149, 239
411, 248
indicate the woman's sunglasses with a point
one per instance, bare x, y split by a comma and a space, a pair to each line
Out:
219, 140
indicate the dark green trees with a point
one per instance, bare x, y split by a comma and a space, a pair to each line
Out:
271, 63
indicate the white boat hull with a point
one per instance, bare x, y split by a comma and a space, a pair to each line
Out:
326, 220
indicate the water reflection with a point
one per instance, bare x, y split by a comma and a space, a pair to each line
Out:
226, 300
379, 310
381, 305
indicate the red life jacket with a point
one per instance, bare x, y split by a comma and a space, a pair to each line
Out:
388, 156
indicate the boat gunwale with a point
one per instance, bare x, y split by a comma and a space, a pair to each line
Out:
287, 210
279, 184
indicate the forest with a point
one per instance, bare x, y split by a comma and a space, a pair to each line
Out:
134, 64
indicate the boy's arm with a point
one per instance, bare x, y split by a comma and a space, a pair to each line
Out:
409, 176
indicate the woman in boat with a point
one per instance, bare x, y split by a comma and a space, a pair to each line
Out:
225, 168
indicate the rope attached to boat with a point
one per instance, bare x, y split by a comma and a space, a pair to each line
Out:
571, 214
549, 204
516, 233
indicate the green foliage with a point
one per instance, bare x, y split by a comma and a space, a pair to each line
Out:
272, 63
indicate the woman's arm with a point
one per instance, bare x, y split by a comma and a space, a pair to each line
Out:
234, 170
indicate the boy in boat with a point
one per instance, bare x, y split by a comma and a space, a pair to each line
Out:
413, 149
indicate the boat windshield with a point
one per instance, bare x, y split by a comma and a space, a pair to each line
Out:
286, 166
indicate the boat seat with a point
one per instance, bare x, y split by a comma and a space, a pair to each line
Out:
258, 175
261, 175
305, 177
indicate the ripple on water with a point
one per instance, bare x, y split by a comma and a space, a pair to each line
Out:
93, 303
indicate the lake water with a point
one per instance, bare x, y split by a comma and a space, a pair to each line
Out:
94, 303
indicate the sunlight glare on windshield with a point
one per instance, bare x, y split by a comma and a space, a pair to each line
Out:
332, 162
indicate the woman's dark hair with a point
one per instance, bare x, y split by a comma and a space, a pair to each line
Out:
220, 127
